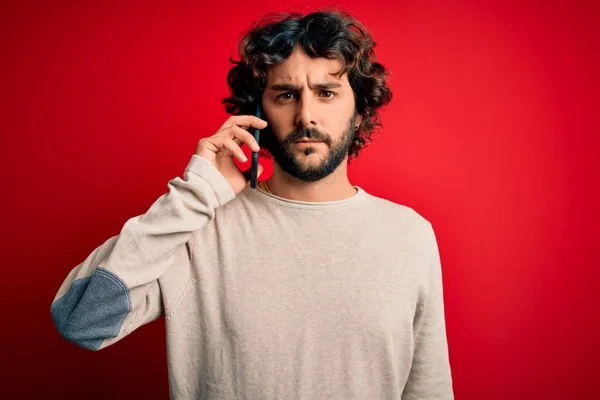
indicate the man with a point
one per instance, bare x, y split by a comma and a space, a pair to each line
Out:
305, 288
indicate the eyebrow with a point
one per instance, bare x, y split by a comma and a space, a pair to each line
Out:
321, 86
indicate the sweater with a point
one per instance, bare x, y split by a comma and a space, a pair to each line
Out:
270, 298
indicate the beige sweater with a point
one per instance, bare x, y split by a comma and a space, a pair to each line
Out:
270, 298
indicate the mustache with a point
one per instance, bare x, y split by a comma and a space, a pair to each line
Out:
307, 133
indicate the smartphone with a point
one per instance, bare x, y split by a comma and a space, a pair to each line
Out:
254, 170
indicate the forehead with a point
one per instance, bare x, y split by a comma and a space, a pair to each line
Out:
299, 68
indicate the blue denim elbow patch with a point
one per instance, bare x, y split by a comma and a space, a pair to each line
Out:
94, 309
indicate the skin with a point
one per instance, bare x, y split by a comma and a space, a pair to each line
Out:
303, 100
297, 106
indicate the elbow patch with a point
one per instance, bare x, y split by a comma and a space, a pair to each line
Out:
94, 309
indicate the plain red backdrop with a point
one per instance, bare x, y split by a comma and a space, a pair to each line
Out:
492, 136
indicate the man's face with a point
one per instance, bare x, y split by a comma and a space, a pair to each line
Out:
311, 116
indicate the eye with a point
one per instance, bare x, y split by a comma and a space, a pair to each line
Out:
327, 94
285, 96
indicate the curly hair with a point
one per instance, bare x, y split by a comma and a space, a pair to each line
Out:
331, 34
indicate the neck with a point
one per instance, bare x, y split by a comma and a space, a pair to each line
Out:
333, 187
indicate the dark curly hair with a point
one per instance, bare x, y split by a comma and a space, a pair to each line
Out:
331, 34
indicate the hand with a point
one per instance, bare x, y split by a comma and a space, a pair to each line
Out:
220, 148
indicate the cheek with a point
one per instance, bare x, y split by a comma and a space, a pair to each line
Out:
281, 123
339, 113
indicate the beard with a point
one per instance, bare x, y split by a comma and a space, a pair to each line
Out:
295, 162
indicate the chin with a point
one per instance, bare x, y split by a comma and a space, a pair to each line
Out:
312, 159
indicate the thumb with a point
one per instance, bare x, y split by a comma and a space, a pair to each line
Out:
247, 172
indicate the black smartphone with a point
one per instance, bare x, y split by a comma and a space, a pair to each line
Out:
254, 171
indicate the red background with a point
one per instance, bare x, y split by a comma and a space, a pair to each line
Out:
492, 135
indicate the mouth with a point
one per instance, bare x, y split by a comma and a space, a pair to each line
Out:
308, 141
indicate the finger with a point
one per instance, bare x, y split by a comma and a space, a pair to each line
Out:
216, 144
245, 137
245, 121
235, 149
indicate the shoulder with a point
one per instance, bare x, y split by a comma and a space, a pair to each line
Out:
397, 212
401, 221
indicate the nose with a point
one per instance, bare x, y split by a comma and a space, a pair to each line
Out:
304, 112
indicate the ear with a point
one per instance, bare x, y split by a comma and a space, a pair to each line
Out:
357, 120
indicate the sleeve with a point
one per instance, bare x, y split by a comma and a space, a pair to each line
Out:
116, 289
430, 375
